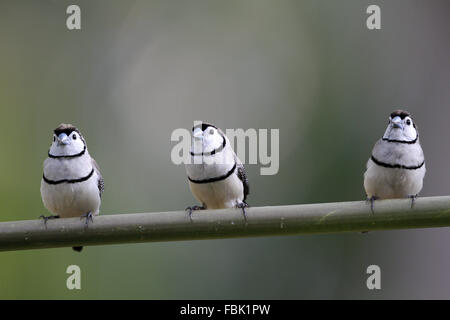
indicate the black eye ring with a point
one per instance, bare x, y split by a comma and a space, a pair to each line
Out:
408, 122
74, 136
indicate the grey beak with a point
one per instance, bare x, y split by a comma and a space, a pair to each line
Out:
63, 139
396, 125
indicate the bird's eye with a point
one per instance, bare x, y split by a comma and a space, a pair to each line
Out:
74, 136
408, 122
54, 138
211, 131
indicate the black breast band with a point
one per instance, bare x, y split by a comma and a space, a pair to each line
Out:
223, 177
401, 141
396, 166
224, 143
68, 180
69, 156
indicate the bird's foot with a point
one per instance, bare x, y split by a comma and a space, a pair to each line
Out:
242, 205
47, 218
88, 216
372, 201
194, 208
413, 199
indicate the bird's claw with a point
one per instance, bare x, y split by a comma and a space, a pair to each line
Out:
193, 208
47, 218
242, 205
372, 201
413, 200
88, 216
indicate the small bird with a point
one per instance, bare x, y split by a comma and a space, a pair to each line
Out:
72, 184
397, 166
216, 176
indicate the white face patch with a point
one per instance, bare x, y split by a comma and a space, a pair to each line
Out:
198, 133
401, 129
212, 139
206, 141
67, 145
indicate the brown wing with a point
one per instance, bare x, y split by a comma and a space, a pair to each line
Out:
101, 182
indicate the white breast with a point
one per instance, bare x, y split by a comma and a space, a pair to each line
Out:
398, 153
71, 168
226, 193
70, 199
389, 183
206, 167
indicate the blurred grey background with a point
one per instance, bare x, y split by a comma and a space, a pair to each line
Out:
140, 69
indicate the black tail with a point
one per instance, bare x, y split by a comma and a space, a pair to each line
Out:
77, 249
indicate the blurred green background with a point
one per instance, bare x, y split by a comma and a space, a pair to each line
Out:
140, 69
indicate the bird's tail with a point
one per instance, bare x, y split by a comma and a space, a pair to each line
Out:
77, 249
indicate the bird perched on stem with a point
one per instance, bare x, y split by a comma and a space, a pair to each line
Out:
397, 166
216, 176
72, 184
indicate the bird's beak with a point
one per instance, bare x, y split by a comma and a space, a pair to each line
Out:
397, 123
198, 134
63, 139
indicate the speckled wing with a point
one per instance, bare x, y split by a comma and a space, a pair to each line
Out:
243, 177
101, 182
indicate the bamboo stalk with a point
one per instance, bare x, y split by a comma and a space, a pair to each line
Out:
227, 223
